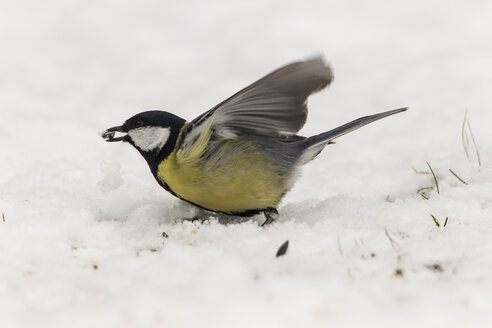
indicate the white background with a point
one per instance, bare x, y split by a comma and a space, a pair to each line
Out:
82, 244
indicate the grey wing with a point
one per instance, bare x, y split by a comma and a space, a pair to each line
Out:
274, 106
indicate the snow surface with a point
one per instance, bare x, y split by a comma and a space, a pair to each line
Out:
81, 239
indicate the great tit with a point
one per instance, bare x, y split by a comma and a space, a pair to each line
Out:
242, 156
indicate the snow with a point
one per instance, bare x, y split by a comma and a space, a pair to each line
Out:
82, 242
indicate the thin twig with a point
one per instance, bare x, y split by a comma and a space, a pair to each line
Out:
417, 171
391, 240
424, 188
445, 222
435, 221
465, 140
457, 177
464, 136
474, 144
435, 178
421, 192
339, 244
3, 217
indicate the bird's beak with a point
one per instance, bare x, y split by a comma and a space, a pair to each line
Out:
108, 135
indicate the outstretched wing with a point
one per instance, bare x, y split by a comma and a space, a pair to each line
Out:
274, 106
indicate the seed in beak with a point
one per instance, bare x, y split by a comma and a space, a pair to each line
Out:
108, 135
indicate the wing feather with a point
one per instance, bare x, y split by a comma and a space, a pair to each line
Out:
274, 106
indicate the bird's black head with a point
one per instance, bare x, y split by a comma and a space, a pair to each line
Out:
153, 134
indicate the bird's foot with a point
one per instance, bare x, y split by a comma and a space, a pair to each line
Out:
193, 219
270, 216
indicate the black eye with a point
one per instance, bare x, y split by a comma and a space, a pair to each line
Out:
139, 124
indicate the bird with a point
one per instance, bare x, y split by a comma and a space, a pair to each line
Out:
242, 156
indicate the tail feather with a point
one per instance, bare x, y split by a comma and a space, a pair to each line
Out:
316, 143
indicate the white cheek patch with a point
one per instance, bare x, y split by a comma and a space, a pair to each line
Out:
150, 137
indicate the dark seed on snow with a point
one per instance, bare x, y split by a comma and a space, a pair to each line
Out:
283, 249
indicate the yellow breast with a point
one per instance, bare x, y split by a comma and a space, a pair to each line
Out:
236, 177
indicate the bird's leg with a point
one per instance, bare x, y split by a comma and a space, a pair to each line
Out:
270, 215
200, 216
